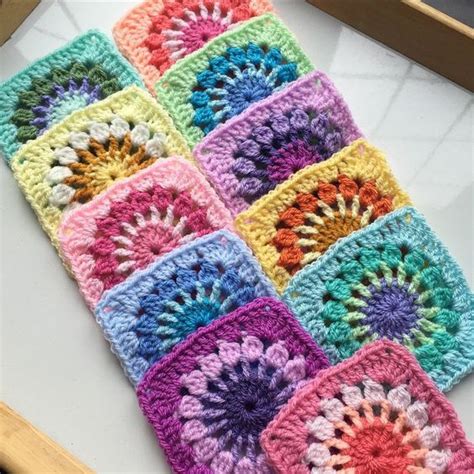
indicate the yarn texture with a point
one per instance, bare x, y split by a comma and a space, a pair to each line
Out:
220, 80
209, 400
137, 221
92, 149
86, 70
294, 224
393, 279
305, 123
157, 33
153, 310
376, 413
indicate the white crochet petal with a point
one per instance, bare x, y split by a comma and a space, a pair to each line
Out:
140, 134
99, 131
79, 140
61, 195
119, 127
66, 155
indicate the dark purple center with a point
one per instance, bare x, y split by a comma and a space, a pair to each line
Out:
391, 311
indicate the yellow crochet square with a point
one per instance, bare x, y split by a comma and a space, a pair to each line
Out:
295, 223
90, 150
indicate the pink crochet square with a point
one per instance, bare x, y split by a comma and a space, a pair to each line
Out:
305, 123
157, 33
377, 412
212, 396
137, 221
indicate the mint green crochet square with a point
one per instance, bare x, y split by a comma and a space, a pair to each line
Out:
86, 70
396, 280
238, 68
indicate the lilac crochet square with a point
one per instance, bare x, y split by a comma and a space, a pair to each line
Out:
212, 396
306, 123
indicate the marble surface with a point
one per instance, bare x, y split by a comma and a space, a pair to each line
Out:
57, 370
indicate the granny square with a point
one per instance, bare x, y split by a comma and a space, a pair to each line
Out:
157, 33
86, 70
393, 279
301, 218
210, 399
242, 66
136, 221
90, 150
377, 412
305, 123
153, 310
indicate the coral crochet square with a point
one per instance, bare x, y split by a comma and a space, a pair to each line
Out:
86, 70
300, 219
377, 412
90, 150
149, 313
137, 221
240, 67
211, 398
394, 279
305, 123
157, 33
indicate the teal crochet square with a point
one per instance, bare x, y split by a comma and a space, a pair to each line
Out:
222, 79
394, 279
84, 71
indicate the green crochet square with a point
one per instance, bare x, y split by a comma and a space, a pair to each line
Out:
84, 71
221, 80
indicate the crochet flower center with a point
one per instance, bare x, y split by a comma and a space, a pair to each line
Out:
235, 80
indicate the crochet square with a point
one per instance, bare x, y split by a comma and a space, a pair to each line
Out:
393, 279
84, 71
211, 398
149, 313
137, 221
303, 124
240, 67
157, 33
90, 150
300, 219
375, 412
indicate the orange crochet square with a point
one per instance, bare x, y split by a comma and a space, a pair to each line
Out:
300, 219
157, 33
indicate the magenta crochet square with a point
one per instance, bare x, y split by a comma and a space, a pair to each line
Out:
306, 123
209, 399
377, 412
137, 221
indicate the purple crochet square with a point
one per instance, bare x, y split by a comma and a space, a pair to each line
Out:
212, 396
306, 123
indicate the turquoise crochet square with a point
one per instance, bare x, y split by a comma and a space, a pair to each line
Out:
394, 279
157, 308
86, 70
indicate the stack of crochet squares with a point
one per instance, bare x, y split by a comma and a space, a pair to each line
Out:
267, 286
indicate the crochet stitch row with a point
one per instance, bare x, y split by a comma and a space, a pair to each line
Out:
305, 123
86, 70
300, 219
157, 33
135, 222
222, 79
90, 150
394, 279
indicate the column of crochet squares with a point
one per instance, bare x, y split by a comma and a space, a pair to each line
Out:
136, 221
149, 313
394, 279
377, 412
209, 400
157, 33
90, 150
238, 68
305, 123
86, 70
300, 219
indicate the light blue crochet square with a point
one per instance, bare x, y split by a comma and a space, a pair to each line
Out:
157, 308
86, 70
396, 280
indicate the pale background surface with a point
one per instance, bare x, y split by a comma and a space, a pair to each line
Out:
56, 368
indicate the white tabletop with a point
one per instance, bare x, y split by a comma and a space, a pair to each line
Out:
57, 370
